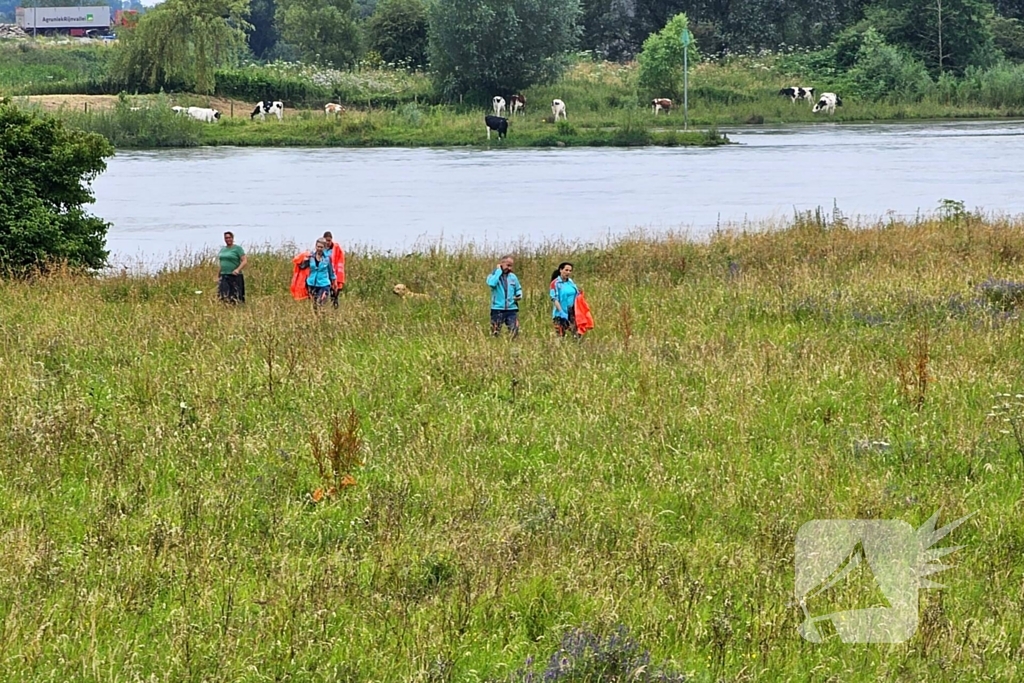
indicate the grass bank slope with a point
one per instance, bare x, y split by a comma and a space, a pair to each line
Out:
166, 469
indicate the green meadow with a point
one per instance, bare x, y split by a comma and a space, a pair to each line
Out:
383, 492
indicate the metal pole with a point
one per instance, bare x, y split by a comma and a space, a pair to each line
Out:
686, 89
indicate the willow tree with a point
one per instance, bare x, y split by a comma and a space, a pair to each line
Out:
179, 44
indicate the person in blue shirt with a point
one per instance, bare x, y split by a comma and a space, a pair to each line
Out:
505, 295
563, 293
321, 275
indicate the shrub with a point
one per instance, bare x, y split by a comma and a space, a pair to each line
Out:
661, 61
45, 170
155, 125
883, 71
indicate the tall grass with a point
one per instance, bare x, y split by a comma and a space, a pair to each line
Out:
138, 123
29, 68
164, 516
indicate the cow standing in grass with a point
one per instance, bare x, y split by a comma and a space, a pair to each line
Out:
263, 108
203, 114
798, 92
558, 109
517, 105
499, 105
828, 103
661, 103
497, 124
332, 108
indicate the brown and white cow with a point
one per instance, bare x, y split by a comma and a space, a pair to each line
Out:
517, 104
333, 108
659, 103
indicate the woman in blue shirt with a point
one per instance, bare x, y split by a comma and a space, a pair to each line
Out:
563, 293
321, 275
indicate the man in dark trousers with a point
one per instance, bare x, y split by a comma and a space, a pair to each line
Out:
505, 295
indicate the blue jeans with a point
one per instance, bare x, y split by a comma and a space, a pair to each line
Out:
508, 318
318, 294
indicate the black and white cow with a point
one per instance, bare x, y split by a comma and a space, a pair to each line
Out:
263, 108
797, 92
828, 103
498, 124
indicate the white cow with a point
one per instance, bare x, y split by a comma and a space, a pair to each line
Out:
203, 114
179, 110
263, 108
558, 109
828, 103
499, 105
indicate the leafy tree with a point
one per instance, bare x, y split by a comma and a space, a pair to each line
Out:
45, 171
947, 35
491, 46
398, 32
180, 43
324, 31
1009, 37
661, 61
263, 35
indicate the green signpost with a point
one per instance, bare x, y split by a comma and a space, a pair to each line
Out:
686, 39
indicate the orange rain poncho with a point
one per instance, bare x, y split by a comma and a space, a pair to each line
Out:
584, 320
299, 276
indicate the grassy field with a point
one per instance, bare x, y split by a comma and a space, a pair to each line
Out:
383, 493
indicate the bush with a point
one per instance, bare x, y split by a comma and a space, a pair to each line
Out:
45, 169
883, 71
1000, 86
661, 61
397, 31
155, 125
325, 31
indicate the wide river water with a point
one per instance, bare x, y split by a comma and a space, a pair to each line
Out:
166, 204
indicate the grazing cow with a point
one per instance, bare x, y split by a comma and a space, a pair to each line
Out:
263, 108
499, 105
517, 105
661, 103
332, 108
498, 124
558, 109
179, 110
828, 103
203, 114
796, 92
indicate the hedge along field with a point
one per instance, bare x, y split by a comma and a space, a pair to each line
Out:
166, 517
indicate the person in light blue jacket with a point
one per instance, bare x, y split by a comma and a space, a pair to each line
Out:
505, 295
563, 292
321, 275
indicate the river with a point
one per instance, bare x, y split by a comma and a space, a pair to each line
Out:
167, 204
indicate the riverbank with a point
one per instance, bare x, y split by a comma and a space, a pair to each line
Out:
166, 512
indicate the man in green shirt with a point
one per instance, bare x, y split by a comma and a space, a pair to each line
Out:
231, 287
